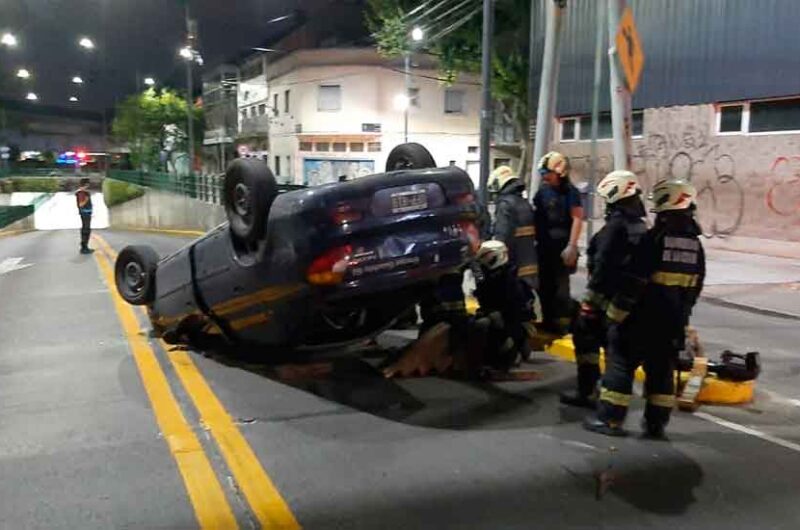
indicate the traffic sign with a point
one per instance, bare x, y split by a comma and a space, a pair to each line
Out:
629, 50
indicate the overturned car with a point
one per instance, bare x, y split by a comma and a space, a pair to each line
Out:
311, 267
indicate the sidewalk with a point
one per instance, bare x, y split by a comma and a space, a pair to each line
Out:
755, 282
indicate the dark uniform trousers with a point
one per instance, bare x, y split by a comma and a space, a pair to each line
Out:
554, 289
86, 229
663, 286
588, 336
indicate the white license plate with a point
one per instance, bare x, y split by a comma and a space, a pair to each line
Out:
409, 201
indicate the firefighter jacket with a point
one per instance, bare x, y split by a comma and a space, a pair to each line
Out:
514, 226
610, 251
664, 280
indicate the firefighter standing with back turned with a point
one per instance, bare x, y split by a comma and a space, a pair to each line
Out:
558, 220
84, 200
608, 254
649, 314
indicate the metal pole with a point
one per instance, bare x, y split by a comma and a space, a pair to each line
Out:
533, 93
549, 83
598, 76
620, 95
189, 92
408, 98
486, 106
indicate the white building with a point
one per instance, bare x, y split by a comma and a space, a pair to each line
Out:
330, 113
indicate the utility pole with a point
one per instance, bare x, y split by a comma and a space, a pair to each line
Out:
533, 92
621, 116
598, 76
487, 121
407, 62
191, 31
549, 84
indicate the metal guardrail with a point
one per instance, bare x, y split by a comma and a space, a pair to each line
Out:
207, 188
12, 214
42, 172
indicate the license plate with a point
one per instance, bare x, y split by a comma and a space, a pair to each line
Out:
409, 201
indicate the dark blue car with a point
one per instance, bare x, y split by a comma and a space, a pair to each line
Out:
314, 266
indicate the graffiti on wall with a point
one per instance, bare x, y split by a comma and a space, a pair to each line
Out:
688, 153
783, 195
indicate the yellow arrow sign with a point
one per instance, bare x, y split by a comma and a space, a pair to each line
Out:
629, 50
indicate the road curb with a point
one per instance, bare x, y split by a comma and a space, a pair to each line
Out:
166, 231
748, 308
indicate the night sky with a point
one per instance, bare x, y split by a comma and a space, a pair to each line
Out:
130, 36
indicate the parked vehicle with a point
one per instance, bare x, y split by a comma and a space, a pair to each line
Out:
311, 267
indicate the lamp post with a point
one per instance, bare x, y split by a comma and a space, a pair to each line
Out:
417, 34
9, 40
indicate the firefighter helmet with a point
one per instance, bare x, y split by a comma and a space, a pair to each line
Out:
618, 185
500, 177
493, 254
673, 195
554, 162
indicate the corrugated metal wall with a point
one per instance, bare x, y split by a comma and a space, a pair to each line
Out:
697, 51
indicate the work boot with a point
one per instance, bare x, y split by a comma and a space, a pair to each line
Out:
653, 430
595, 424
574, 398
87, 250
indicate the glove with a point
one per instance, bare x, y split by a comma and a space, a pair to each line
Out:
570, 255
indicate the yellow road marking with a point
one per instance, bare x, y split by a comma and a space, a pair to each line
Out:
204, 489
263, 497
167, 231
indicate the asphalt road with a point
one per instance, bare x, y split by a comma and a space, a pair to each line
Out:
87, 442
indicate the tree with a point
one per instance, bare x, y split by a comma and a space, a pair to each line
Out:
456, 42
144, 122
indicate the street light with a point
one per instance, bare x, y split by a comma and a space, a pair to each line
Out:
417, 34
149, 81
22, 73
9, 40
32, 97
86, 43
186, 53
73, 99
402, 102
77, 80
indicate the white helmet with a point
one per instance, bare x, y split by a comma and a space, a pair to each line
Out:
672, 195
618, 185
554, 162
493, 254
500, 177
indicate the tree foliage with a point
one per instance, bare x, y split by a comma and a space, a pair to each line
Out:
141, 121
460, 50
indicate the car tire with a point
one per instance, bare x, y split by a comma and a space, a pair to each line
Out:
409, 156
248, 193
135, 274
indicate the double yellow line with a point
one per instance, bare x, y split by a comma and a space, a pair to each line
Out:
202, 485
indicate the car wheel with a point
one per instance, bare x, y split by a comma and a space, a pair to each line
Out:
249, 191
135, 274
409, 156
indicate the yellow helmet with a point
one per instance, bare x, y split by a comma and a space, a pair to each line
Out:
618, 185
670, 195
493, 254
554, 162
500, 177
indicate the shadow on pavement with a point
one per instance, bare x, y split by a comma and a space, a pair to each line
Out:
355, 380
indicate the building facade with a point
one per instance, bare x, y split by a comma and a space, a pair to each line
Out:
712, 107
333, 113
220, 110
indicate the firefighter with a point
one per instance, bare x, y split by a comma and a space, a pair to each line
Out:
507, 303
649, 314
84, 200
514, 224
608, 254
558, 221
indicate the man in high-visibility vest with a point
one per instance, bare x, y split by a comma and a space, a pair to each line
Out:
84, 200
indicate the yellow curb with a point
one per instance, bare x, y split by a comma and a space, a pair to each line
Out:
714, 392
167, 231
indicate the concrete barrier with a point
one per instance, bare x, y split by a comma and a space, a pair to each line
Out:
160, 210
